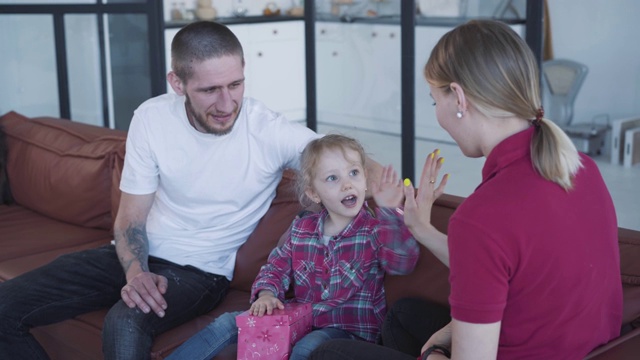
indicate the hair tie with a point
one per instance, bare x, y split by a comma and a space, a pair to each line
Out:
539, 115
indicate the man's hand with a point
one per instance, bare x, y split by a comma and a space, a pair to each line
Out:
145, 291
266, 302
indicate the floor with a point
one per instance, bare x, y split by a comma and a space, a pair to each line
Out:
623, 183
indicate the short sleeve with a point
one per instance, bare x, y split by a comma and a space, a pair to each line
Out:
140, 174
479, 273
293, 139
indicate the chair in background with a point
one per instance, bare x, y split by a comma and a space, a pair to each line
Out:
561, 82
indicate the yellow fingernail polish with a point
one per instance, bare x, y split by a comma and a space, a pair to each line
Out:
407, 182
431, 155
441, 160
437, 152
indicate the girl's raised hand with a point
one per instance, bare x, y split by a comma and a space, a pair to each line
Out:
387, 190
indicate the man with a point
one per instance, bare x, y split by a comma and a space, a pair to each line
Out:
201, 169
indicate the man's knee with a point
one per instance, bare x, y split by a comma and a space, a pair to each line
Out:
120, 318
11, 312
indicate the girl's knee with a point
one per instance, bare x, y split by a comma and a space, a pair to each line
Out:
226, 321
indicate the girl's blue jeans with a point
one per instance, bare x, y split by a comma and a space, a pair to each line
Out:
223, 331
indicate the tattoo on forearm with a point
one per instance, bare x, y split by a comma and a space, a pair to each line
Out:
137, 243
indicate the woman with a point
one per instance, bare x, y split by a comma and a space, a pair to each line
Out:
533, 251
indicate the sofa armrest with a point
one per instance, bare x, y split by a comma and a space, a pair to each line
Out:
62, 169
625, 347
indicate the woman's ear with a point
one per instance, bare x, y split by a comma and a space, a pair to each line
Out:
460, 96
176, 83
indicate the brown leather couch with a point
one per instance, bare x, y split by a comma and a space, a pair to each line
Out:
63, 177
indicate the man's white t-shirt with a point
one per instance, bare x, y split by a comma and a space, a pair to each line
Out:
210, 190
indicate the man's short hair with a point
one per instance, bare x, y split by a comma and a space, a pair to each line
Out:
200, 41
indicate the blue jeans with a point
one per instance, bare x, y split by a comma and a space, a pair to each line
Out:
223, 331
208, 342
86, 281
302, 349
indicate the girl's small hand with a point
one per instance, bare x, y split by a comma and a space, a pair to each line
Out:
265, 303
387, 190
417, 208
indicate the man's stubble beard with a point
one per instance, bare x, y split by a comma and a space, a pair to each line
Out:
193, 116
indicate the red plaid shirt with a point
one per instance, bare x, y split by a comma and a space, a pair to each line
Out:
343, 279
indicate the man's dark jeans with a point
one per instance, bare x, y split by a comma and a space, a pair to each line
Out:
89, 280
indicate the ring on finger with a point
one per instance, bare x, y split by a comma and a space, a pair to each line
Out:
432, 181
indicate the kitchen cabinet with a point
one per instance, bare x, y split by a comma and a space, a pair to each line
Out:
274, 64
330, 52
169, 34
358, 75
275, 70
426, 125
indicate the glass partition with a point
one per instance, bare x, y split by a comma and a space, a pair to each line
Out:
358, 81
433, 20
83, 58
90, 61
29, 74
128, 64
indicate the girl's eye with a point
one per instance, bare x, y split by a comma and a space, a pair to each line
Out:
331, 178
354, 172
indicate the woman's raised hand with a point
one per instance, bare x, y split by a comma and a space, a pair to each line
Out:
417, 207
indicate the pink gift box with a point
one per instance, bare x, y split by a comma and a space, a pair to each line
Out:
272, 336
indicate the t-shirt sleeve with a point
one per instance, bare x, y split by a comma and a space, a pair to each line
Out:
140, 174
293, 139
479, 273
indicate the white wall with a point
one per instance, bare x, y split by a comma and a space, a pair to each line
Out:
604, 36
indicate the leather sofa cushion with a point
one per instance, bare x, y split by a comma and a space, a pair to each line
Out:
63, 169
5, 193
26, 233
629, 254
255, 251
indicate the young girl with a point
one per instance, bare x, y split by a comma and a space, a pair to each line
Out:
335, 259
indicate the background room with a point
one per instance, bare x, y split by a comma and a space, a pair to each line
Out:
115, 60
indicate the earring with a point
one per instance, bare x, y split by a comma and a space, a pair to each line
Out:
459, 114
